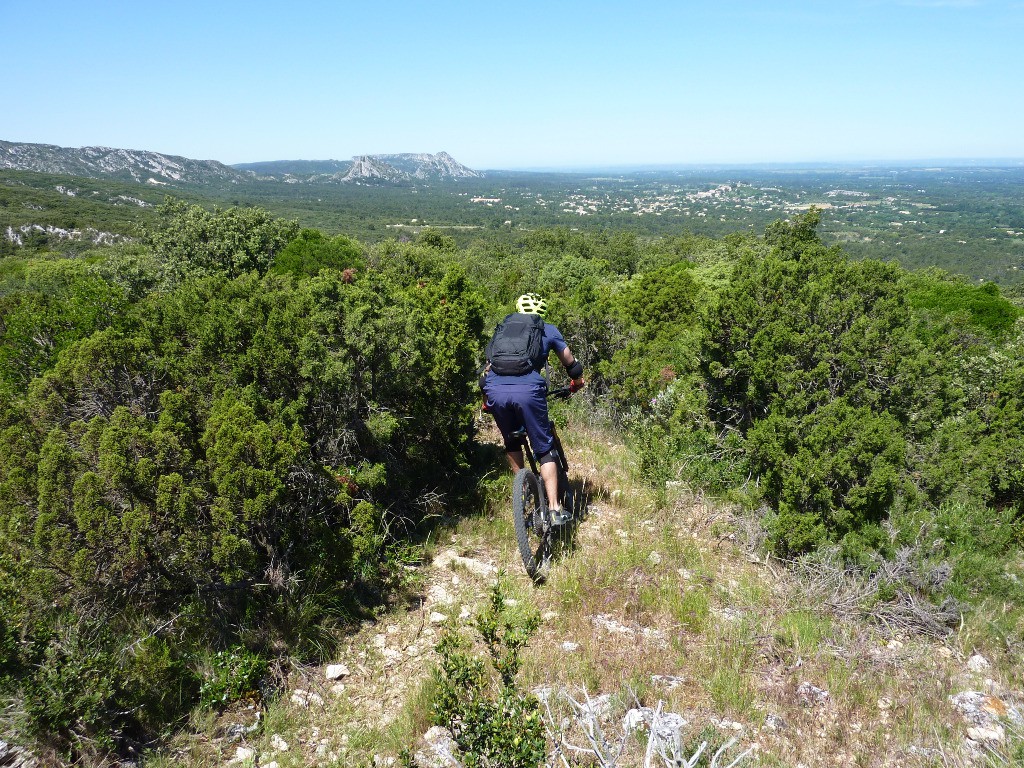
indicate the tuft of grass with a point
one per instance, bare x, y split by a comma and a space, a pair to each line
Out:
691, 608
415, 718
801, 632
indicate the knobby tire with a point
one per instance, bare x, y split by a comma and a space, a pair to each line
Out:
533, 537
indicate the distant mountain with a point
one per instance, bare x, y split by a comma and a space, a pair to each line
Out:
298, 168
124, 164
368, 168
398, 168
155, 168
422, 166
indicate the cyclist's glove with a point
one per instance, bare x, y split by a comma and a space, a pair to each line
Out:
576, 385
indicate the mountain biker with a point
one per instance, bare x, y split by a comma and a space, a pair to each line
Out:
520, 400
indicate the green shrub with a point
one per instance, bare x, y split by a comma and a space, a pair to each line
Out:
493, 721
224, 465
832, 472
233, 674
312, 251
194, 242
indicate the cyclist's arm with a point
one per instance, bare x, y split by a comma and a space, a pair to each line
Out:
553, 337
570, 362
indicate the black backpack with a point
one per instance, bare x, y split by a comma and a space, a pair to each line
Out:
517, 346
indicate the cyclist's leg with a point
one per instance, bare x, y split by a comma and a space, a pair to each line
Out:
549, 473
506, 412
538, 426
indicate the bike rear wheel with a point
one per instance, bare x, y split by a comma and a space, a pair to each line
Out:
533, 536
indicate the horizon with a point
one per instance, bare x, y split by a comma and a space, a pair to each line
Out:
576, 86
921, 163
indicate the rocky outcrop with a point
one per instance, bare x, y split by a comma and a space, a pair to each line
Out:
370, 168
425, 166
125, 164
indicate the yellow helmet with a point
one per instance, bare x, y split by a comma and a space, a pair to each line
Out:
531, 304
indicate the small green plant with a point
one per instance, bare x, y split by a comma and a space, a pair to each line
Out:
233, 674
801, 631
493, 721
691, 608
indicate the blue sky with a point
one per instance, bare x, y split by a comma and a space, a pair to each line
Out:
521, 84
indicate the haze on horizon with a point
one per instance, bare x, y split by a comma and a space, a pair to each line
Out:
570, 85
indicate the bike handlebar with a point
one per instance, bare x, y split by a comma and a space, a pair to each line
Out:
562, 393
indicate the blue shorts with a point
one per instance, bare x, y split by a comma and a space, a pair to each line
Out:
521, 405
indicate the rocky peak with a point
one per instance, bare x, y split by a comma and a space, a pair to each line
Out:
372, 167
421, 165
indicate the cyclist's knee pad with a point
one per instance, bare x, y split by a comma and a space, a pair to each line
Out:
549, 457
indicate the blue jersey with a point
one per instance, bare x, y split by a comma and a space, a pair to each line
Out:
553, 340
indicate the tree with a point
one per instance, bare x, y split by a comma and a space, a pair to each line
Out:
194, 242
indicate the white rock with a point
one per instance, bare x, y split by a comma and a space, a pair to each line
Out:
449, 558
810, 694
654, 558
436, 617
729, 725
278, 744
599, 706
441, 749
993, 734
271, 764
306, 699
379, 641
550, 615
244, 755
984, 710
978, 663
338, 688
634, 720
544, 693
438, 595
570, 647
727, 614
337, 671
667, 727
611, 625
668, 681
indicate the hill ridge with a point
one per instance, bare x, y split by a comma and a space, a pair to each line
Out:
144, 166
99, 162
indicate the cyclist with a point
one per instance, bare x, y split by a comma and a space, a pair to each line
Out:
520, 399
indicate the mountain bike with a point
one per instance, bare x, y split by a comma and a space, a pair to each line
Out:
535, 531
